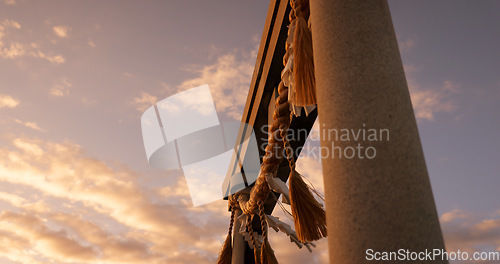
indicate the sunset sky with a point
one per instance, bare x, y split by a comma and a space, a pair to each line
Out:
75, 77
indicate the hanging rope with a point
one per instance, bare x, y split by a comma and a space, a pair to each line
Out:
274, 150
267, 254
296, 91
227, 249
308, 214
303, 67
252, 237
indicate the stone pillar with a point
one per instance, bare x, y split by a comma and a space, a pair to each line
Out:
384, 203
238, 241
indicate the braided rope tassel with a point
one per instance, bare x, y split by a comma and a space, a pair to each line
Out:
273, 156
266, 253
308, 214
304, 83
254, 243
227, 249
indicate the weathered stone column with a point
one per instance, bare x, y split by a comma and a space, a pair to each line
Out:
384, 203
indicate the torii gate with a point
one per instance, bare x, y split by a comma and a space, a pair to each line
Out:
386, 203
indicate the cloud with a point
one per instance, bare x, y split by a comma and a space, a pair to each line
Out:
10, 23
61, 89
4, 28
61, 31
35, 51
31, 125
471, 232
15, 49
144, 101
7, 101
9, 2
229, 79
453, 215
12, 199
170, 231
433, 100
28, 147
430, 100
67, 207
56, 59
55, 243
406, 45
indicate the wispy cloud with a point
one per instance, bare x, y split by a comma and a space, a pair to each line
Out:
155, 232
13, 199
5, 25
14, 49
430, 100
37, 235
9, 23
61, 31
471, 232
91, 43
9, 2
229, 79
55, 59
144, 101
7, 101
439, 99
31, 125
61, 89
406, 45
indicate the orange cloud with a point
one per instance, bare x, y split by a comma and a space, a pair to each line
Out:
7, 101
61, 31
144, 101
229, 78
471, 232
31, 125
61, 89
15, 49
68, 207
428, 101
151, 232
